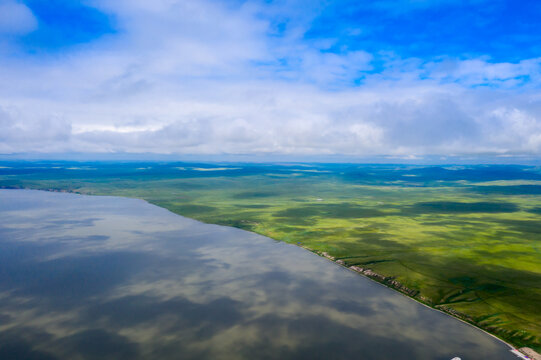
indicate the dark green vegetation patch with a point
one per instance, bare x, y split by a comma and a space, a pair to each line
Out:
536, 210
253, 194
508, 190
451, 207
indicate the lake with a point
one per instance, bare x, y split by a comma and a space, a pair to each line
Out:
85, 277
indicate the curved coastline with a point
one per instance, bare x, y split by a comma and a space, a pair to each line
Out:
387, 282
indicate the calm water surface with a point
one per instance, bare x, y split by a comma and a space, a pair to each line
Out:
111, 278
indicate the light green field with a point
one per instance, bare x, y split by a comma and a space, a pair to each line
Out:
468, 243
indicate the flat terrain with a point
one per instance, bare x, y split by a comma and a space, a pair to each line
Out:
465, 239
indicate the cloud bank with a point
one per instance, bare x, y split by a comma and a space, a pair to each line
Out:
211, 77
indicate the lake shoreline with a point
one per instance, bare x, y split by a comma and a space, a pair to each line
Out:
404, 291
388, 282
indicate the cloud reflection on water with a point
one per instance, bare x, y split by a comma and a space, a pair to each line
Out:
110, 278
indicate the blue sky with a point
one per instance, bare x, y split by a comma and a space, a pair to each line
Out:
402, 78
63, 24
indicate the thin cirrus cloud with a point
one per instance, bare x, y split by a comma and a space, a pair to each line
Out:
286, 77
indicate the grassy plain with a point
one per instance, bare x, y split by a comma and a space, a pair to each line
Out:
463, 239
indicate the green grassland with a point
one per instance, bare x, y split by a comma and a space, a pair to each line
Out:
466, 240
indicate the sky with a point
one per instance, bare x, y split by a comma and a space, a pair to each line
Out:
403, 79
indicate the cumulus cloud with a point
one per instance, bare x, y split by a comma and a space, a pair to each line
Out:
205, 77
34, 133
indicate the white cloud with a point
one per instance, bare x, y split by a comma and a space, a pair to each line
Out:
21, 130
197, 77
16, 18
516, 128
483, 72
